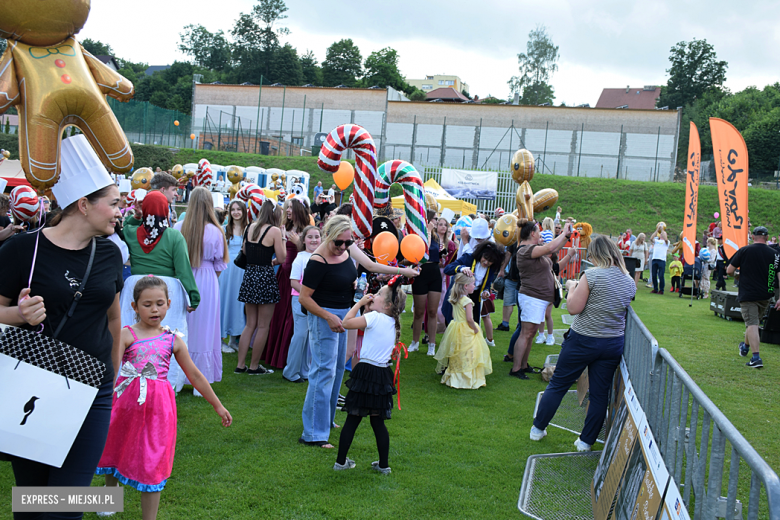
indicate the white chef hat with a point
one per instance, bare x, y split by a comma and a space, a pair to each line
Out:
81, 171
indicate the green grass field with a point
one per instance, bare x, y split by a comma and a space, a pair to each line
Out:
454, 453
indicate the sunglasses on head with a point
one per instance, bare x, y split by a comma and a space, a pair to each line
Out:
347, 243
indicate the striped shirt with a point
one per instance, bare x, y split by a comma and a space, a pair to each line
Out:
547, 236
604, 315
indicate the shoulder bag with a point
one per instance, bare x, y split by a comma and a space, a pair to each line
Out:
47, 386
240, 259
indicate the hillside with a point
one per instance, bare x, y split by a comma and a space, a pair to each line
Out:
609, 205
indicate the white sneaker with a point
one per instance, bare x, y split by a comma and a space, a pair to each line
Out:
540, 338
431, 349
581, 446
537, 434
348, 464
414, 347
649, 285
383, 471
105, 513
550, 339
490, 342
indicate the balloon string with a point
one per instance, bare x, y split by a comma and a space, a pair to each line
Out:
41, 218
399, 347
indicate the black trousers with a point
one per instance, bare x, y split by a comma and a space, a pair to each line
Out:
720, 272
81, 462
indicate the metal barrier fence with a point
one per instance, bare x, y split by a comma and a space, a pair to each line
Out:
692, 435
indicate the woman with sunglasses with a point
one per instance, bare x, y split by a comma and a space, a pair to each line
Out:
327, 294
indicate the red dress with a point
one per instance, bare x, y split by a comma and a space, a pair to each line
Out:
281, 332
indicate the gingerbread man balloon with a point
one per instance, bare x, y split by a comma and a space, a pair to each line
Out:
55, 83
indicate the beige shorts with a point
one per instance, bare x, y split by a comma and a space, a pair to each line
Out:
752, 312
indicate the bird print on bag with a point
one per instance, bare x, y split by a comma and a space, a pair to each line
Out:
29, 408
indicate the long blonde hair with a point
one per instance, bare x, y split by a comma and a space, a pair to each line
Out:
458, 289
200, 211
603, 252
335, 226
548, 224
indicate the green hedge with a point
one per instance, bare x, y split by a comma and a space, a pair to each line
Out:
10, 142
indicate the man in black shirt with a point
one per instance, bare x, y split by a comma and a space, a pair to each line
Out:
759, 266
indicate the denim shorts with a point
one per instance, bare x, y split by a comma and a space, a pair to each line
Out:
510, 292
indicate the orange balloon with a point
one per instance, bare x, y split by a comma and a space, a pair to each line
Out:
413, 248
192, 136
344, 175
385, 247
176, 123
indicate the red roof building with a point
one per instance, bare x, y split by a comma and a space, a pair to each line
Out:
447, 94
641, 98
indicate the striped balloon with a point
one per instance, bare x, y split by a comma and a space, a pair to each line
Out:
403, 173
24, 203
248, 190
357, 139
253, 206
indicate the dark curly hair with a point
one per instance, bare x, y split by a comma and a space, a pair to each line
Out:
489, 251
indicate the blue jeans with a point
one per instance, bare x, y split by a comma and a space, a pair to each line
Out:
328, 356
658, 267
298, 354
516, 335
601, 356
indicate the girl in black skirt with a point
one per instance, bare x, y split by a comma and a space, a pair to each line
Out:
371, 381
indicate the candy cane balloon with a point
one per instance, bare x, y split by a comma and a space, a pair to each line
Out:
403, 173
249, 190
359, 140
253, 206
24, 203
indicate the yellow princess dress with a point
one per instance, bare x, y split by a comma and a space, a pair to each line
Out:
464, 354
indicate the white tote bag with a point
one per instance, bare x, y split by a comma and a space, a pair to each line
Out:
48, 388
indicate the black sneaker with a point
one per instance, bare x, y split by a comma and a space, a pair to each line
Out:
743, 349
502, 327
520, 374
425, 340
240, 370
260, 370
755, 363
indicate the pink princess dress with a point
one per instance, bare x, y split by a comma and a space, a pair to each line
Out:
142, 433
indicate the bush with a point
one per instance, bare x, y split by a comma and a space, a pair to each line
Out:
148, 156
10, 142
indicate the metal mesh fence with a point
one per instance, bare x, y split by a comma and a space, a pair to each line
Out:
145, 123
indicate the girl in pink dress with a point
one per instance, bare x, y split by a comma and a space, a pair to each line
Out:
142, 433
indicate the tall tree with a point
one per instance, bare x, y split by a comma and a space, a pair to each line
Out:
536, 66
96, 47
312, 72
256, 41
342, 65
286, 67
382, 70
207, 49
695, 70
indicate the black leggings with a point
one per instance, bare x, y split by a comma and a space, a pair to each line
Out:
81, 462
348, 433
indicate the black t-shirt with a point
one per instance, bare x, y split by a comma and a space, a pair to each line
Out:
514, 273
332, 283
758, 265
4, 222
58, 274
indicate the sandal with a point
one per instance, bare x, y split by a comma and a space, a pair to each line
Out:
318, 444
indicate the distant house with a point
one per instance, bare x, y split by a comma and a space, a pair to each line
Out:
638, 98
110, 61
447, 94
156, 68
439, 80
13, 122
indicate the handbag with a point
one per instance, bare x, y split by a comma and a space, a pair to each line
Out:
558, 291
240, 259
47, 386
498, 286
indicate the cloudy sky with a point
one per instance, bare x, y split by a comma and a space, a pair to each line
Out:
603, 43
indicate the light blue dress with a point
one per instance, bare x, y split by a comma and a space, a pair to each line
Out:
231, 311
